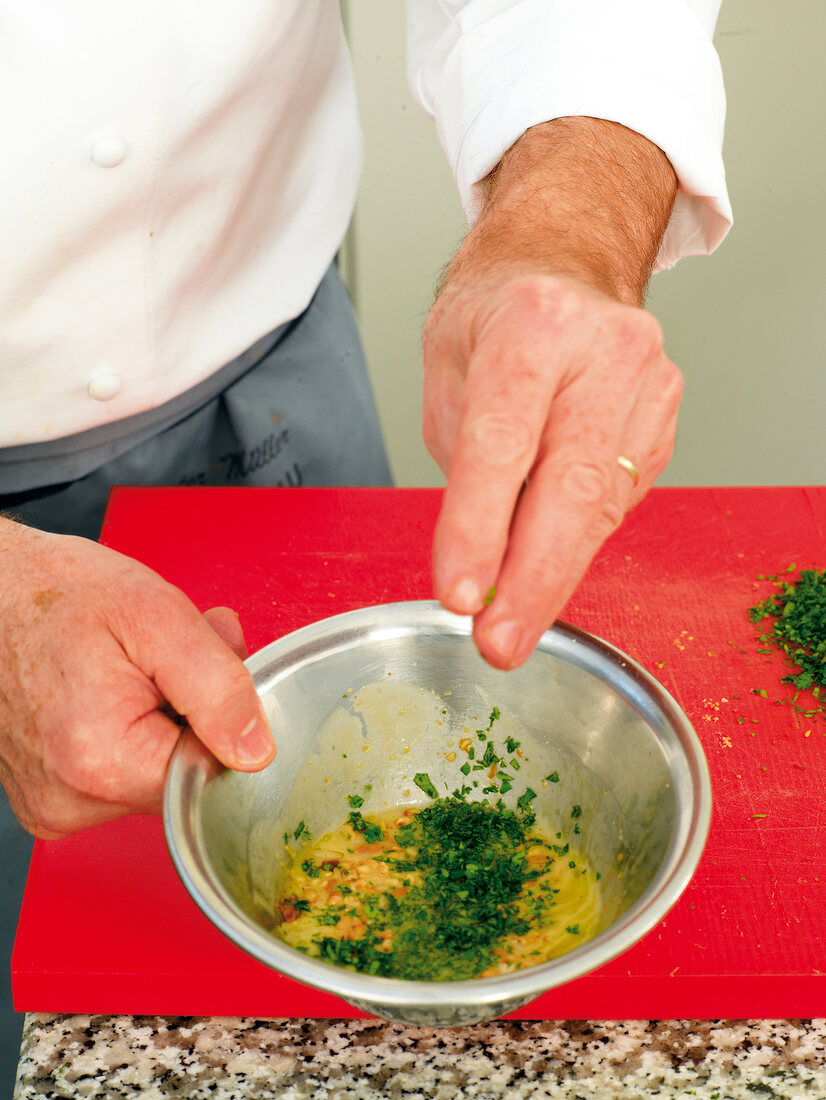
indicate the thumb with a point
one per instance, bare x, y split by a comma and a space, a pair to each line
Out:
206, 682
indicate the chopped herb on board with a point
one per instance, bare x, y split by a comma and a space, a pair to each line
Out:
797, 616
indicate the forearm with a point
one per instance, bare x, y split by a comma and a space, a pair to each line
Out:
576, 196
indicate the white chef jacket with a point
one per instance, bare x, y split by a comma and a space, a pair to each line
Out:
178, 174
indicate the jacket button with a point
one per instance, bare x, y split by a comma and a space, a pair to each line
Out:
104, 385
109, 151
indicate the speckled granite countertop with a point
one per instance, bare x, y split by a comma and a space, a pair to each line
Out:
195, 1058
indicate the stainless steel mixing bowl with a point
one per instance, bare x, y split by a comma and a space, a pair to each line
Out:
362, 702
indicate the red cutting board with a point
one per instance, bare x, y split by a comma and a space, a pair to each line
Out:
107, 928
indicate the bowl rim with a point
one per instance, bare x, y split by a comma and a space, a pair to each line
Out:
191, 764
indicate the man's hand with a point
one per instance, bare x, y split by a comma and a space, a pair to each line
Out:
98, 658
541, 371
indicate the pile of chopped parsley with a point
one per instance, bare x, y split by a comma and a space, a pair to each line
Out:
798, 627
470, 862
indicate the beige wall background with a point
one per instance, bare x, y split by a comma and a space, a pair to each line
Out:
746, 325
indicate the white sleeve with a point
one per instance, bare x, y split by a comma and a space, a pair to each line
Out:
487, 70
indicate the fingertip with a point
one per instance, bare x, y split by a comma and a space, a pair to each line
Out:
504, 643
464, 597
500, 642
254, 748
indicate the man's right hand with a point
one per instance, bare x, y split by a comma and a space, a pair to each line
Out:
98, 657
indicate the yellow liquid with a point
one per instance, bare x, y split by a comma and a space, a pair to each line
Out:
369, 905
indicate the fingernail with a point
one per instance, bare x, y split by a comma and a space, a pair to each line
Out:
255, 743
505, 638
465, 596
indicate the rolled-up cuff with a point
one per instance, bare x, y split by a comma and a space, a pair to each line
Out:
647, 64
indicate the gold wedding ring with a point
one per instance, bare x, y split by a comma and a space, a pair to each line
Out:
629, 467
